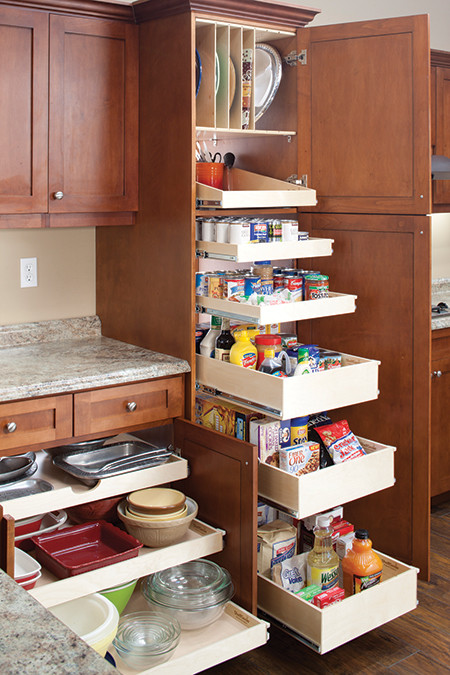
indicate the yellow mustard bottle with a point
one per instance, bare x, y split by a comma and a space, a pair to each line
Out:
243, 352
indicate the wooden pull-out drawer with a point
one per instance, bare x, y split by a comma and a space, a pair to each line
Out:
127, 407
34, 421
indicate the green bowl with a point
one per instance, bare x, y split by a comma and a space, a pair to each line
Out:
119, 595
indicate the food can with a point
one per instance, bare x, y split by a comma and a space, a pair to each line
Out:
275, 230
239, 232
278, 281
215, 285
258, 231
222, 231
201, 284
316, 286
299, 430
289, 230
295, 284
252, 284
208, 230
233, 286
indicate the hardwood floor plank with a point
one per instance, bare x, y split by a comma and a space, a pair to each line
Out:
441, 526
433, 642
433, 611
419, 663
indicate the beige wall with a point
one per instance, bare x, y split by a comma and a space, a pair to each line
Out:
441, 246
66, 258
66, 274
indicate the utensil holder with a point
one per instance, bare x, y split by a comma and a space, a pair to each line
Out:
210, 173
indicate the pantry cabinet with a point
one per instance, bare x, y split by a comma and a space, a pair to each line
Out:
440, 122
285, 142
69, 123
440, 393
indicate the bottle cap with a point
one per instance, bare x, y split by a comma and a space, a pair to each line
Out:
323, 522
361, 534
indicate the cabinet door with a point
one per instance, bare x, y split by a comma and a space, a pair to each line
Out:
23, 111
364, 116
441, 188
223, 481
440, 402
93, 115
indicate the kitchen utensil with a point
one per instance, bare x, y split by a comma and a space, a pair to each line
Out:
14, 466
24, 488
77, 447
229, 159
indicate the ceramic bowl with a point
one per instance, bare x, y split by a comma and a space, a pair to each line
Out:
158, 533
120, 595
156, 501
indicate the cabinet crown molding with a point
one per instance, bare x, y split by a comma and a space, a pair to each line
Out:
440, 58
92, 8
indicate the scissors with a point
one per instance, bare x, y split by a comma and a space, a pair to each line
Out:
217, 157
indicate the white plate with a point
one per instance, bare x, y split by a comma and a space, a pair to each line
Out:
268, 71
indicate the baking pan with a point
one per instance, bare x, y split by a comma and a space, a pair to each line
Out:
24, 488
83, 548
111, 460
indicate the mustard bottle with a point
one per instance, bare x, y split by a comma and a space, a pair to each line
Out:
243, 352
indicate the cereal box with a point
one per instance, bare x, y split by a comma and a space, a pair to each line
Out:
223, 416
300, 459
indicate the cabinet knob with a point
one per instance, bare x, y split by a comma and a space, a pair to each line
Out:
11, 427
58, 195
131, 406
437, 373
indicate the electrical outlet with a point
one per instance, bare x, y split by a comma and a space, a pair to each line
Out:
28, 272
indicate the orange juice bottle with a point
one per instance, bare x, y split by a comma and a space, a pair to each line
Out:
361, 566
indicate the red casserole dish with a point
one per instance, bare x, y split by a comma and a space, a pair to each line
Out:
83, 548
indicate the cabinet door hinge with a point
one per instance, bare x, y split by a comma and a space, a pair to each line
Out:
303, 180
293, 58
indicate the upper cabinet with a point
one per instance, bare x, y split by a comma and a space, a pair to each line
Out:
364, 115
69, 120
440, 122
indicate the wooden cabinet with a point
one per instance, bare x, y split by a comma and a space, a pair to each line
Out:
69, 123
440, 401
43, 420
440, 122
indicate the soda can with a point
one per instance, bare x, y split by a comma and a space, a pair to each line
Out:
252, 284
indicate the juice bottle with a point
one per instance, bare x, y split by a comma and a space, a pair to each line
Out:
361, 566
323, 562
243, 352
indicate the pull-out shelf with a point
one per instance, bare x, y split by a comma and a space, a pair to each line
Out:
234, 633
355, 382
282, 250
333, 626
336, 303
304, 495
200, 540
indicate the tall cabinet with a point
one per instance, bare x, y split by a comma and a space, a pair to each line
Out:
372, 209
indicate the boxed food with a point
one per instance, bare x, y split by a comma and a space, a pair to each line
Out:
291, 573
300, 459
277, 541
228, 418
309, 592
328, 597
265, 513
265, 433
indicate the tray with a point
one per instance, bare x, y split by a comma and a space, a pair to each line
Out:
82, 548
24, 488
92, 465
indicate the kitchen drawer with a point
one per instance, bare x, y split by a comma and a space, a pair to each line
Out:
275, 250
127, 407
336, 303
356, 381
320, 490
34, 421
328, 628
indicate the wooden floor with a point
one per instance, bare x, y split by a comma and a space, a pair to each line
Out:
418, 642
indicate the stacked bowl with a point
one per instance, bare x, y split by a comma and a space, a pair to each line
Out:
194, 593
157, 516
145, 639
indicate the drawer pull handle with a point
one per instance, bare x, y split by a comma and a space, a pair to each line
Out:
437, 373
58, 195
11, 427
131, 406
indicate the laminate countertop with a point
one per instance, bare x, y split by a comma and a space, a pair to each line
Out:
53, 357
34, 642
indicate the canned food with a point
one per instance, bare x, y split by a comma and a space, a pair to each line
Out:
295, 284
289, 230
201, 284
252, 284
239, 232
278, 281
215, 285
233, 286
275, 230
316, 286
258, 231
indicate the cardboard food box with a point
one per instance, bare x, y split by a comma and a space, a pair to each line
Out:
226, 417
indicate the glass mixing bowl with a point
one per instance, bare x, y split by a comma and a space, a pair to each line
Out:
145, 639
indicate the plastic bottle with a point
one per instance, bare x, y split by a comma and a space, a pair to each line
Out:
208, 344
323, 562
303, 365
243, 352
224, 342
361, 566
275, 365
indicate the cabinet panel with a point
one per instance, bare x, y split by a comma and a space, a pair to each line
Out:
365, 125
35, 421
440, 402
23, 112
441, 188
127, 407
93, 115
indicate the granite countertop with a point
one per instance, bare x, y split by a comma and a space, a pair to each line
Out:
33, 641
52, 357
440, 292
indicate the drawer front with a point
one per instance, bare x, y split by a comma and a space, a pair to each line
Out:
326, 629
127, 407
35, 421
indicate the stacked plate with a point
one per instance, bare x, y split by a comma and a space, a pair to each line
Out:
195, 593
156, 504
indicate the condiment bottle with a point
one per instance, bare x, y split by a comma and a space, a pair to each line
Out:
323, 562
208, 344
361, 567
279, 366
243, 352
303, 365
224, 342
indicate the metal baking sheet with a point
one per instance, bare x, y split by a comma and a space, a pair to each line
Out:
24, 488
111, 460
